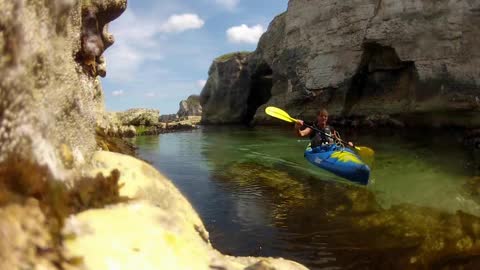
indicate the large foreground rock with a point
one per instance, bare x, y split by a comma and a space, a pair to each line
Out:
157, 229
50, 56
415, 60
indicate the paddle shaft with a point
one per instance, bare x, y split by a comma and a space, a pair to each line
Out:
328, 135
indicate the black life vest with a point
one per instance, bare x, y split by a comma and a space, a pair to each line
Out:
322, 138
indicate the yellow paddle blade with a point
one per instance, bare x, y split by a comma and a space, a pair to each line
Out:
366, 154
279, 114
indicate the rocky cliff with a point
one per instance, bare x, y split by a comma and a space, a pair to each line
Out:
225, 95
190, 107
416, 61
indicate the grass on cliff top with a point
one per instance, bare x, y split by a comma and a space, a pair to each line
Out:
228, 56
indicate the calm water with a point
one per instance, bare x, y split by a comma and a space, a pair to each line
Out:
258, 196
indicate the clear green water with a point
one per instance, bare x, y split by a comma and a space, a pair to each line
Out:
258, 196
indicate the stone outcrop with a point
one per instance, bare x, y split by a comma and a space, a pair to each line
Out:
164, 118
139, 117
163, 221
48, 97
138, 122
414, 61
226, 92
190, 107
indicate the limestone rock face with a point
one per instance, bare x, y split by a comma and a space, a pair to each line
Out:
358, 58
48, 96
226, 92
190, 107
157, 219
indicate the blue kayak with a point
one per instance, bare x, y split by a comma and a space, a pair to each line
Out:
340, 161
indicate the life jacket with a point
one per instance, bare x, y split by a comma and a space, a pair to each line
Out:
321, 138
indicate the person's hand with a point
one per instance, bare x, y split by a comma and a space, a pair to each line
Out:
299, 124
350, 144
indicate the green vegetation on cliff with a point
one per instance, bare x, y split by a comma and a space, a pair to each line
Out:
229, 56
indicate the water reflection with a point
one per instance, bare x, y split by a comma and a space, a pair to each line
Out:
257, 196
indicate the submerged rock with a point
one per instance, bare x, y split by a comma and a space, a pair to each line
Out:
434, 239
366, 235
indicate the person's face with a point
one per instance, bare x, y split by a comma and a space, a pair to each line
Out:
322, 118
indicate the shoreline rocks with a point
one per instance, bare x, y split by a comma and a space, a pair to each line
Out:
190, 107
139, 122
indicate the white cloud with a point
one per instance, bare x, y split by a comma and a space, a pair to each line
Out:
245, 34
228, 4
117, 93
180, 23
144, 42
201, 83
150, 94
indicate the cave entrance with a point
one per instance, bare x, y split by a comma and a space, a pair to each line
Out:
260, 90
382, 76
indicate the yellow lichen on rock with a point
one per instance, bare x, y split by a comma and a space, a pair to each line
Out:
135, 236
139, 180
156, 229
25, 241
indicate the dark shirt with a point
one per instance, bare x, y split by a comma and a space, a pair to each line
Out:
321, 138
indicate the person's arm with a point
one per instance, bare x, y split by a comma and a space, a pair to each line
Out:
302, 133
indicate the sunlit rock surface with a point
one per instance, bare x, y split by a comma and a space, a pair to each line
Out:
157, 229
23, 230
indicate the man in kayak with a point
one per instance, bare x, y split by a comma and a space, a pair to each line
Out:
327, 136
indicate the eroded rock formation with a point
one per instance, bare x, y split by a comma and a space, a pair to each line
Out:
416, 61
190, 107
225, 95
47, 99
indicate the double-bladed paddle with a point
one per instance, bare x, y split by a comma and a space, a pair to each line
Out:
365, 153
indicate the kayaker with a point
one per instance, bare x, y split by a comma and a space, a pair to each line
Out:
328, 135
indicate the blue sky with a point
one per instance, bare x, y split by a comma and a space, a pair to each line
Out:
163, 49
